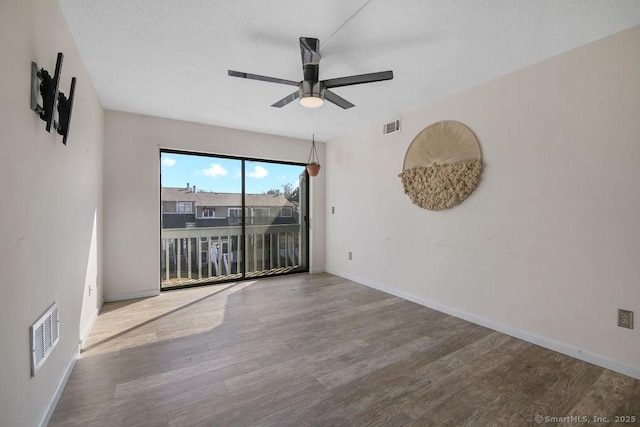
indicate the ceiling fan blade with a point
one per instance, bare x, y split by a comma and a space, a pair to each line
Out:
287, 99
338, 100
310, 50
263, 78
359, 79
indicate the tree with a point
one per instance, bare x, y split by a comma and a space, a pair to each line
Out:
288, 191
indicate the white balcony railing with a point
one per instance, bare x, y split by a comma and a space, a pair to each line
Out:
209, 254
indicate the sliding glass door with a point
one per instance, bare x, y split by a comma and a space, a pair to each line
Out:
230, 218
273, 220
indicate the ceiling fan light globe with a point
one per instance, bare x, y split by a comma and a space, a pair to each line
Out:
311, 101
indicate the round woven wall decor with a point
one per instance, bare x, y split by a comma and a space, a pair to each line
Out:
442, 166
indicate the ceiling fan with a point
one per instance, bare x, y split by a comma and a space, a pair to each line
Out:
312, 92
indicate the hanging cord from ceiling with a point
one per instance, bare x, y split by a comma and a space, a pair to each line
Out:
345, 23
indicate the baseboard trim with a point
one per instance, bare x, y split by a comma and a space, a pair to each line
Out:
63, 382
132, 295
586, 356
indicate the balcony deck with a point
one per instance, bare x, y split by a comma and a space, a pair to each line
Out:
204, 255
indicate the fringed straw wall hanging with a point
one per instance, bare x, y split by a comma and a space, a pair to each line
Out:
442, 166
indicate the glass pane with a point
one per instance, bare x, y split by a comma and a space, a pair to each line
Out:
274, 227
201, 219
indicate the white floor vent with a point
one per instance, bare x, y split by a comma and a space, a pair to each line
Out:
390, 127
44, 337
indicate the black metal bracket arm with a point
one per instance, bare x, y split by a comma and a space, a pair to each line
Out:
65, 107
47, 89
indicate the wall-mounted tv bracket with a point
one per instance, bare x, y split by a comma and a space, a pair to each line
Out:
47, 87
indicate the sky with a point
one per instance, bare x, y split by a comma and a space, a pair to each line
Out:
223, 175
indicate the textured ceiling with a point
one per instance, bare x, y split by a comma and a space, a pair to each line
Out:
169, 58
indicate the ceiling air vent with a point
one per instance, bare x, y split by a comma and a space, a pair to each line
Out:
44, 337
390, 127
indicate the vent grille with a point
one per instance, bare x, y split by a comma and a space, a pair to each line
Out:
390, 127
44, 337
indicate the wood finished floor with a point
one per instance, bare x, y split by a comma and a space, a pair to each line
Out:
319, 350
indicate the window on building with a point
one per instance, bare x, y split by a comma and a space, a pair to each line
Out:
184, 207
286, 211
260, 212
208, 213
235, 215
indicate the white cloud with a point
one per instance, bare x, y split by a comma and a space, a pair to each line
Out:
215, 170
168, 162
258, 173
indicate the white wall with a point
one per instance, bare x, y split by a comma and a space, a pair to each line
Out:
548, 246
132, 190
50, 226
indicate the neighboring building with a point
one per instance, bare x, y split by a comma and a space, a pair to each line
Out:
187, 208
211, 254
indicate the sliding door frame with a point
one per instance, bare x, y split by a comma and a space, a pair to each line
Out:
303, 220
